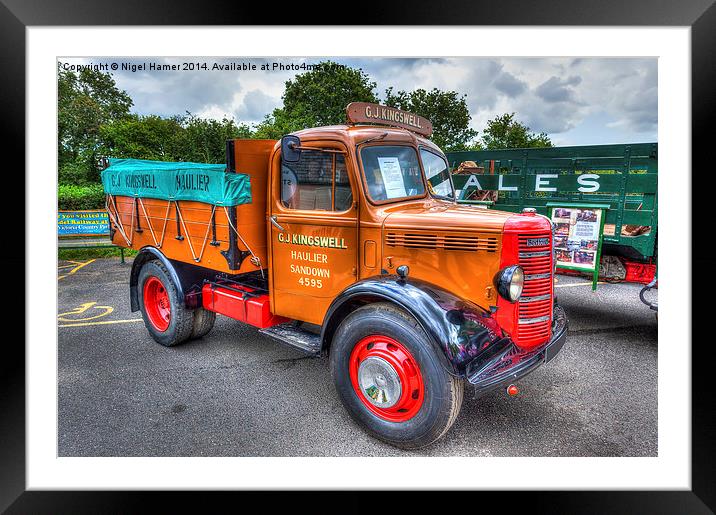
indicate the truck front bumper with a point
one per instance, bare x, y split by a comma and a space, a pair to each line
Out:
504, 362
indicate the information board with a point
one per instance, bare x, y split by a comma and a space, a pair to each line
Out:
82, 223
392, 177
578, 238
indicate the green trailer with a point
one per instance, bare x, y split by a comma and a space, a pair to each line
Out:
618, 180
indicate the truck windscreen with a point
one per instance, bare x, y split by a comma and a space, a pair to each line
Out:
438, 175
392, 172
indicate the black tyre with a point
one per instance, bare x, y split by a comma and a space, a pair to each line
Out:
203, 322
390, 378
166, 317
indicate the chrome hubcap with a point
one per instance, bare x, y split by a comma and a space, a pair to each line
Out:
379, 382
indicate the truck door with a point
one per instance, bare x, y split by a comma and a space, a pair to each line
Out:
314, 231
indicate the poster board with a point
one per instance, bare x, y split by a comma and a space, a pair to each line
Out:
578, 237
82, 223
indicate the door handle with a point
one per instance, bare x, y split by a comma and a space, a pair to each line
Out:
275, 223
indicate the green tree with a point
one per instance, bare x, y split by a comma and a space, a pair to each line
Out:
144, 137
277, 125
317, 97
446, 110
506, 132
86, 100
204, 140
179, 138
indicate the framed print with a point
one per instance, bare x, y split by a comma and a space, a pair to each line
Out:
131, 391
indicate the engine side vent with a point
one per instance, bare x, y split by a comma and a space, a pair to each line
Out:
460, 242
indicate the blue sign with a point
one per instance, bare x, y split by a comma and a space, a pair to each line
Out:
82, 223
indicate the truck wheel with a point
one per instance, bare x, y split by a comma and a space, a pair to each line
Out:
166, 317
203, 322
390, 379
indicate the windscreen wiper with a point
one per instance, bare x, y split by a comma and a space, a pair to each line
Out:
375, 138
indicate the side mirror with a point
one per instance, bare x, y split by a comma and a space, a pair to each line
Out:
290, 151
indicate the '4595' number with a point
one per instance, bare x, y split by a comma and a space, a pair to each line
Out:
310, 282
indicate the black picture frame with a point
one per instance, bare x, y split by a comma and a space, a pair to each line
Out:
700, 15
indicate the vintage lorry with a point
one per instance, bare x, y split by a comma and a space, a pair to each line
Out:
346, 241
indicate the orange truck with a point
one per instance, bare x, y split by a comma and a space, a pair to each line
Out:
347, 242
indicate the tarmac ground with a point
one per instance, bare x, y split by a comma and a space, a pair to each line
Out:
236, 392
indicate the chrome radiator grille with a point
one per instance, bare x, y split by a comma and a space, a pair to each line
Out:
535, 303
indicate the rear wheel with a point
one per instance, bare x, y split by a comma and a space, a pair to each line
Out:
203, 322
166, 317
390, 378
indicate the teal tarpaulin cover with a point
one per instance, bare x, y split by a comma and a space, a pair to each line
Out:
163, 180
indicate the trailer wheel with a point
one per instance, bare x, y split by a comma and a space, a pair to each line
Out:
166, 317
203, 322
390, 379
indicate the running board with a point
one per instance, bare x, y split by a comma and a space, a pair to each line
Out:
292, 335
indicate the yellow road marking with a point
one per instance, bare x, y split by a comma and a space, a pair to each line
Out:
577, 284
82, 309
102, 323
80, 265
71, 263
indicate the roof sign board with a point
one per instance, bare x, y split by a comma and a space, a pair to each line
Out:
364, 112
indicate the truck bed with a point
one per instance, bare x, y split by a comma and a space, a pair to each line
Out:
229, 239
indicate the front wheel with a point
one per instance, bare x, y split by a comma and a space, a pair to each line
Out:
390, 379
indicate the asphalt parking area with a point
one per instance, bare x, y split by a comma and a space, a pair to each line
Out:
238, 393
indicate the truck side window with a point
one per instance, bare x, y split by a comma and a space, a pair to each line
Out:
438, 174
344, 195
310, 184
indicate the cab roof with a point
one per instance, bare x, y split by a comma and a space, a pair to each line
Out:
353, 135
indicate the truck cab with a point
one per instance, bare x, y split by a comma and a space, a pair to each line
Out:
353, 247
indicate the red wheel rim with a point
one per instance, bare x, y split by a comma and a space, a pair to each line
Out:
375, 364
156, 304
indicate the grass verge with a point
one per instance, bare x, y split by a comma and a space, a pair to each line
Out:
93, 253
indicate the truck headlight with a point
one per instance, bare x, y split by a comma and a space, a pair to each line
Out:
509, 282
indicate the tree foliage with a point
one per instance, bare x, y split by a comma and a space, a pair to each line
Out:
317, 97
276, 125
94, 120
86, 100
204, 140
320, 96
446, 110
179, 138
506, 132
142, 137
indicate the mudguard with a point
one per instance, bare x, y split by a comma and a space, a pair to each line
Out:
145, 255
187, 277
459, 329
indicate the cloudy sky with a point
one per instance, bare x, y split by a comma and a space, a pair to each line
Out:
576, 101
